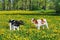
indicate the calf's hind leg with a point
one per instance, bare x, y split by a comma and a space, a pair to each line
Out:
47, 26
38, 27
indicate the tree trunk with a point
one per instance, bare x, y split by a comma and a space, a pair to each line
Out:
30, 4
14, 4
22, 5
9, 4
45, 5
3, 4
57, 6
25, 4
38, 4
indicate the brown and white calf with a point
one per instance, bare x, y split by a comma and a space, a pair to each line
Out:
39, 22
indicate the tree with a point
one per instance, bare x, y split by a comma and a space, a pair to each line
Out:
30, 4
38, 4
14, 4
57, 6
45, 5
9, 5
3, 4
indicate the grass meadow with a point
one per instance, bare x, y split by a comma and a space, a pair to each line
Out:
28, 31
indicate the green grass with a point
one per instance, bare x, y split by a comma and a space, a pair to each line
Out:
29, 31
28, 12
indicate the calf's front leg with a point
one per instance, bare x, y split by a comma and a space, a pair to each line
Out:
10, 26
38, 27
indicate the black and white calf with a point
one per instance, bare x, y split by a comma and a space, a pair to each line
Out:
14, 24
39, 22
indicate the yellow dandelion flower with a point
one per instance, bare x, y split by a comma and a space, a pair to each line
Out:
30, 30
24, 38
16, 36
27, 38
42, 36
55, 30
44, 32
38, 31
2, 31
20, 38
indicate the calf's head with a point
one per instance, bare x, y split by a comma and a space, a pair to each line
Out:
11, 21
21, 22
34, 21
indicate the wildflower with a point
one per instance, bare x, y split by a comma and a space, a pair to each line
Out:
55, 31
2, 31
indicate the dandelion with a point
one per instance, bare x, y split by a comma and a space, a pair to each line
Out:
8, 36
30, 30
43, 32
2, 31
43, 36
55, 30
24, 38
38, 31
